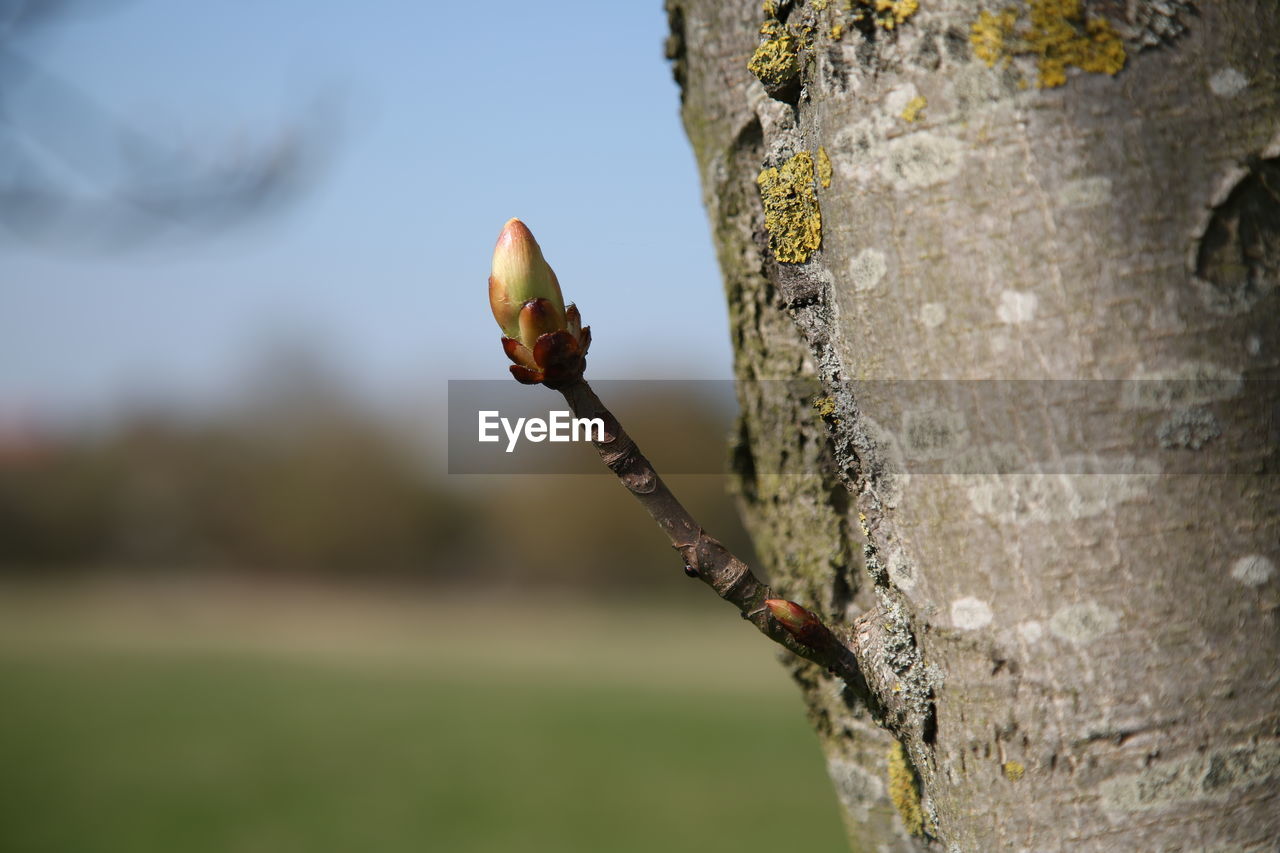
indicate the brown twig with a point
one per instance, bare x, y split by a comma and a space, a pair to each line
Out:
800, 630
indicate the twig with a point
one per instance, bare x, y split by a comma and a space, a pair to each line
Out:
784, 622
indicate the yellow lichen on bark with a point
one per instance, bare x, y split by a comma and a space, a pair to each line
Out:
791, 213
914, 107
824, 167
1057, 33
887, 14
1013, 770
904, 789
775, 62
1056, 36
890, 13
989, 34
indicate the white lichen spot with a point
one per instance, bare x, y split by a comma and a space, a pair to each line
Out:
1017, 306
867, 269
854, 152
1031, 631
933, 314
1086, 192
773, 115
902, 572
1189, 383
898, 98
970, 614
921, 159
1083, 623
1190, 429
882, 461
995, 457
935, 676
975, 89
1075, 487
1227, 83
933, 433
1253, 345
856, 788
1253, 570
1215, 775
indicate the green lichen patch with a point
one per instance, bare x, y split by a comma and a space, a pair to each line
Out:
791, 213
1013, 770
904, 789
1057, 34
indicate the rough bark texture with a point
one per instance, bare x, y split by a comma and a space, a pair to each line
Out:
1083, 660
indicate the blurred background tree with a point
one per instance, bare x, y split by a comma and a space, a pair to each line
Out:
242, 606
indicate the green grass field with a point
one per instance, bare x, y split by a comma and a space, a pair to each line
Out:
316, 726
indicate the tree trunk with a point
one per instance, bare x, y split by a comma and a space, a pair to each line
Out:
1077, 623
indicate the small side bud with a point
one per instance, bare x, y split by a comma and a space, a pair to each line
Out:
538, 317
800, 623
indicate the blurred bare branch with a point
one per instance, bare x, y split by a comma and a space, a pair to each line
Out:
71, 173
19, 16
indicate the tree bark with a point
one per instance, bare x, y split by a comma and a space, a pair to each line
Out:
1077, 636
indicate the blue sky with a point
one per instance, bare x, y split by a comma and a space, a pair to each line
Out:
450, 119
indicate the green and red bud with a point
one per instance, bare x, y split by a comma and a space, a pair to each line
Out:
544, 339
520, 273
800, 623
